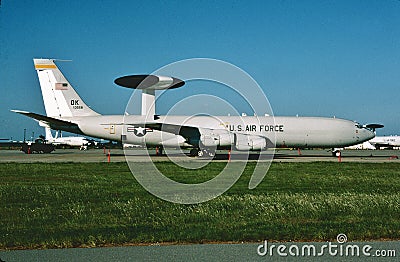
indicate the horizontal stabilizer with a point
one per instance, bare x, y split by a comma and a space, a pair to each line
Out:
54, 123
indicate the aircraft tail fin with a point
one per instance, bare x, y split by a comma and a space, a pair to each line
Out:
59, 97
49, 135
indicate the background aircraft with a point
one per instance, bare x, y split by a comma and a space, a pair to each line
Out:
364, 145
72, 141
385, 142
66, 111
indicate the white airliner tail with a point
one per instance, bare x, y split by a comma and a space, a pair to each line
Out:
49, 135
59, 97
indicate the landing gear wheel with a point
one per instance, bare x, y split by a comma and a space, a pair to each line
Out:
336, 153
194, 152
207, 152
200, 153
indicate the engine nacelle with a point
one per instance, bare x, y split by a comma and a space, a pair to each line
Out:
224, 138
213, 138
250, 143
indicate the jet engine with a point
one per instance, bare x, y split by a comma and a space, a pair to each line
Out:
245, 142
222, 138
214, 138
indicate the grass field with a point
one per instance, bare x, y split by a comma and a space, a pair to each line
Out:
92, 204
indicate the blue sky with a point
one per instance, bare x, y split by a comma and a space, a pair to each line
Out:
312, 58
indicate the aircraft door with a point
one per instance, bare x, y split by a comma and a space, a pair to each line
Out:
112, 129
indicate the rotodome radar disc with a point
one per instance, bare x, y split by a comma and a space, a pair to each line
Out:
149, 82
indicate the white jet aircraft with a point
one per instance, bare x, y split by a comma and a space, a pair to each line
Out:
386, 142
66, 111
73, 141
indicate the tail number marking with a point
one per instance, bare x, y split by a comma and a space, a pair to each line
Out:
75, 104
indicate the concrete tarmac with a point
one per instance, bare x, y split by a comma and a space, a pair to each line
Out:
350, 251
140, 155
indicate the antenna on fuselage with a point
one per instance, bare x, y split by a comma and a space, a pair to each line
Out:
149, 84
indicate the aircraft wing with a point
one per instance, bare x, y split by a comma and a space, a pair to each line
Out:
54, 123
190, 133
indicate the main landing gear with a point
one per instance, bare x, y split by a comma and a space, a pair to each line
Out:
202, 152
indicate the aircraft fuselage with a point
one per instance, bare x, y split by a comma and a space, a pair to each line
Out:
286, 131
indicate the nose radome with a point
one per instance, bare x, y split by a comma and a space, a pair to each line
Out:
369, 134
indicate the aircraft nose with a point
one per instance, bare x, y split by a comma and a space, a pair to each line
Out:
368, 134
